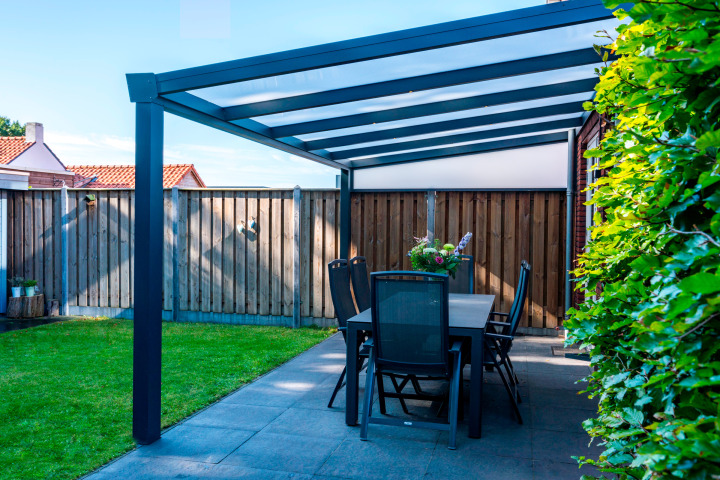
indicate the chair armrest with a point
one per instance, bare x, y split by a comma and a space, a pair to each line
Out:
456, 346
502, 314
368, 343
499, 324
342, 329
498, 336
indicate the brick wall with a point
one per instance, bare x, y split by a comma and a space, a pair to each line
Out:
592, 127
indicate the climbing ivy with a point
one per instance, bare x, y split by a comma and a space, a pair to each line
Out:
651, 275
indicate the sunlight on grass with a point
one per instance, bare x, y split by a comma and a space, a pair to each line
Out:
66, 388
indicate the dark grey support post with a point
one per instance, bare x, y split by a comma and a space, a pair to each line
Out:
148, 271
297, 205
431, 215
570, 192
345, 213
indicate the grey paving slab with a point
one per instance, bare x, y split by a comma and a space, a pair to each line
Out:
292, 453
278, 427
241, 417
379, 458
199, 444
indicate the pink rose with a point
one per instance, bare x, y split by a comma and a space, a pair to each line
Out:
439, 260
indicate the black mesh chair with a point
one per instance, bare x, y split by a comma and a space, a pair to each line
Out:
339, 278
411, 339
499, 337
464, 276
360, 284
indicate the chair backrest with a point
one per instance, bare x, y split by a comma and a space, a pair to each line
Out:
360, 283
410, 322
339, 278
464, 276
518, 305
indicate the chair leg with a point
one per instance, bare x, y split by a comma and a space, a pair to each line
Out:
367, 403
398, 390
512, 377
416, 384
454, 398
511, 394
338, 386
381, 392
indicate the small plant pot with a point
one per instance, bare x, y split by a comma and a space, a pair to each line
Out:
29, 291
17, 291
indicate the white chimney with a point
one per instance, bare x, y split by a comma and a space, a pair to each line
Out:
34, 132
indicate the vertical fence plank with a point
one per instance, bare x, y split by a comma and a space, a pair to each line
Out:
524, 215
331, 228
205, 251
441, 217
381, 228
553, 253
395, 224
217, 246
454, 233
306, 248
57, 245
538, 261
92, 255
288, 268
510, 263
252, 259
72, 248
102, 205
228, 253
28, 236
124, 250
467, 201
48, 239
240, 251
317, 254
195, 254
17, 232
480, 242
368, 242
355, 224
264, 266
82, 248
114, 251
495, 247
183, 250
38, 241
276, 244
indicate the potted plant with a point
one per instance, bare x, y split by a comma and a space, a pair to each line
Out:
16, 283
29, 287
435, 257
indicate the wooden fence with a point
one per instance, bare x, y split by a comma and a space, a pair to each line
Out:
507, 227
222, 271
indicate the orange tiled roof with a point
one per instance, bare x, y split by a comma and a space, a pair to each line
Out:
123, 176
12, 147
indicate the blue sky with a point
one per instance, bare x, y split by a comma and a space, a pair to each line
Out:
65, 65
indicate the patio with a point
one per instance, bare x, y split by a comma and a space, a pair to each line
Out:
280, 427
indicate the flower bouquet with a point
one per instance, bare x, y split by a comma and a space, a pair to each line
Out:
435, 257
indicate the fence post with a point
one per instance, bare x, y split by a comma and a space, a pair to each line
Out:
175, 255
64, 307
297, 200
431, 215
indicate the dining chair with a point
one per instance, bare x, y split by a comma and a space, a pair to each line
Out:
464, 276
410, 338
360, 283
500, 335
339, 279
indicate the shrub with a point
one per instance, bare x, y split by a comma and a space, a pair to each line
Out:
650, 274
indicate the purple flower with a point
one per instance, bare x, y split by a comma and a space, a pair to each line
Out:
463, 243
439, 260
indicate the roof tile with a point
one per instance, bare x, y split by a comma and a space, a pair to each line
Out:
12, 147
123, 176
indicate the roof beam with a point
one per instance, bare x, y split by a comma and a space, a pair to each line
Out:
448, 125
460, 138
201, 111
419, 83
529, 141
435, 108
486, 27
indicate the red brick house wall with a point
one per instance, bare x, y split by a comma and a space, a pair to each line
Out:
593, 125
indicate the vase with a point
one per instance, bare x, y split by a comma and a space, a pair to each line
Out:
17, 292
29, 291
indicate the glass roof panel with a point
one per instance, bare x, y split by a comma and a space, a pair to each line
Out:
476, 142
483, 128
403, 66
430, 96
510, 107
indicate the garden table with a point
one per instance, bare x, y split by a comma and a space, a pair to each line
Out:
468, 315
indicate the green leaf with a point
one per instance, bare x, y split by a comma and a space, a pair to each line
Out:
703, 283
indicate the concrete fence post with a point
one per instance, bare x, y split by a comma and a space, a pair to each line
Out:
431, 215
297, 205
64, 307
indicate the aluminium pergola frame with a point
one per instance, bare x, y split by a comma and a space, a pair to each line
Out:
155, 94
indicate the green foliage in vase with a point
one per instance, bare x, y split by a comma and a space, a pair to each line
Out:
650, 275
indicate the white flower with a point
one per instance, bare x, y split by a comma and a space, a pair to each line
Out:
429, 250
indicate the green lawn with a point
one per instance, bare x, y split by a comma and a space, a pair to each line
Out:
66, 388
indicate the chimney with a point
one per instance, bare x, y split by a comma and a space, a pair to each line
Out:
34, 132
